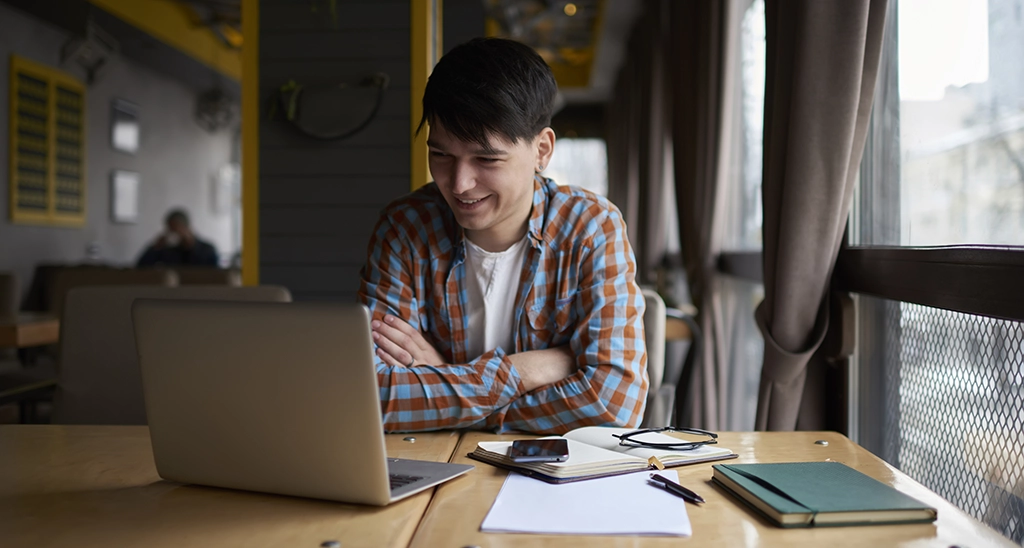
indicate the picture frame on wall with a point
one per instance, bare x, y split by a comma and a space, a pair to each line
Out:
124, 196
124, 126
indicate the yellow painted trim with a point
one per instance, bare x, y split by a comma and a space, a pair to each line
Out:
250, 144
12, 141
51, 74
53, 78
438, 32
51, 158
425, 38
169, 23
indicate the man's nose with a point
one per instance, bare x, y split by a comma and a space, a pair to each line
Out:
463, 177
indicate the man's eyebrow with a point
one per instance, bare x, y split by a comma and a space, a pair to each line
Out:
486, 151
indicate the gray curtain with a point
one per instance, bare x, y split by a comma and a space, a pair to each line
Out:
624, 148
822, 62
636, 140
697, 50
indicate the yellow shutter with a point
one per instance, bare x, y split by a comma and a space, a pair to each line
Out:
47, 145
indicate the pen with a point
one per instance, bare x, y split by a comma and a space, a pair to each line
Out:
675, 488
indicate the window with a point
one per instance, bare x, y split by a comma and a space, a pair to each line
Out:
580, 162
47, 182
960, 122
743, 201
937, 385
740, 294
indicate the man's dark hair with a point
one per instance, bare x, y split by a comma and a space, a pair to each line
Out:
179, 215
490, 86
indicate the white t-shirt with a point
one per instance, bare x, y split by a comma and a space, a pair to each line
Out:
492, 284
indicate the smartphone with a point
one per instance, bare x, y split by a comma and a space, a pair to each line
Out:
549, 450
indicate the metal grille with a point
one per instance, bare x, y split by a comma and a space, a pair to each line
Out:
954, 397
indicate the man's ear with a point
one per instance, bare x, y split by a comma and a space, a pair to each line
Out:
545, 144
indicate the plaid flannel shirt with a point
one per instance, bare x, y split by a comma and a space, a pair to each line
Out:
577, 287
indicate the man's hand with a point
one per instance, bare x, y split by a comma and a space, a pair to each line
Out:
188, 239
162, 241
398, 343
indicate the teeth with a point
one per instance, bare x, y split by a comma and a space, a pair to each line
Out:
470, 201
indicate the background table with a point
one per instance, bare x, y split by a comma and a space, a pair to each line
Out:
80, 486
456, 511
28, 329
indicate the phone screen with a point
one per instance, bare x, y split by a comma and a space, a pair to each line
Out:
550, 450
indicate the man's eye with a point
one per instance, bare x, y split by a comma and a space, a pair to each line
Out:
437, 154
489, 160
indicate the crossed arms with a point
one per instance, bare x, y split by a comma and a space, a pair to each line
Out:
596, 377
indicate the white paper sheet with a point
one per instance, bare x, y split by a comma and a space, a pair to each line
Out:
618, 505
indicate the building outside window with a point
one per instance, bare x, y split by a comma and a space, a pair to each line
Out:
940, 394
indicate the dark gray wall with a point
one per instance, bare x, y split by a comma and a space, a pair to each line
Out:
177, 159
319, 200
463, 21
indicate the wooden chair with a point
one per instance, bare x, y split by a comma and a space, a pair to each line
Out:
69, 278
99, 369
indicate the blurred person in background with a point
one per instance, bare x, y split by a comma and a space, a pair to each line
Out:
178, 245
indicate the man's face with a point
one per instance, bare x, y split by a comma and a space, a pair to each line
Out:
489, 189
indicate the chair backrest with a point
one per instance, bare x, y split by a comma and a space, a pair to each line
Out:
69, 278
100, 381
659, 397
667, 380
654, 336
9, 294
209, 276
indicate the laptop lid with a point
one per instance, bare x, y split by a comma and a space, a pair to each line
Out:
272, 397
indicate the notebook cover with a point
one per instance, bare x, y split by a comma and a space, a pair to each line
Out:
819, 487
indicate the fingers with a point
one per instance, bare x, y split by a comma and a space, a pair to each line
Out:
391, 329
391, 351
388, 359
402, 343
401, 332
393, 343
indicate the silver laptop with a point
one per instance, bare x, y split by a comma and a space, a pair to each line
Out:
271, 397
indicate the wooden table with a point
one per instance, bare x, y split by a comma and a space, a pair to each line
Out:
457, 510
29, 329
82, 486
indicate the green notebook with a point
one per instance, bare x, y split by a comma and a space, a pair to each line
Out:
814, 494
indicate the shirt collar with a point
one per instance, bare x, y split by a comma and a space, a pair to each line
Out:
535, 227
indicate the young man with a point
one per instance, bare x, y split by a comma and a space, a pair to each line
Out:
500, 300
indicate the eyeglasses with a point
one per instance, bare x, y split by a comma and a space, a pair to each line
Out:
628, 439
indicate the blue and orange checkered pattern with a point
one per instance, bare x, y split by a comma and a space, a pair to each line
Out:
577, 287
